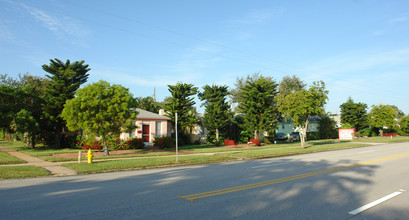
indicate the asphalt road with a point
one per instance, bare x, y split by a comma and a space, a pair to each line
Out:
363, 183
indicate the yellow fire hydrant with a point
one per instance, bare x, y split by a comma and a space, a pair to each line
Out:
89, 156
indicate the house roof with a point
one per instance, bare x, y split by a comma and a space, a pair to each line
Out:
146, 115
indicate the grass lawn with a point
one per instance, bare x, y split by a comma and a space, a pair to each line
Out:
396, 139
6, 158
38, 151
279, 152
114, 165
145, 153
214, 149
151, 159
239, 153
22, 172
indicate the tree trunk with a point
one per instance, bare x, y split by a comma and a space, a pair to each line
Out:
57, 140
217, 137
33, 141
256, 136
106, 152
303, 134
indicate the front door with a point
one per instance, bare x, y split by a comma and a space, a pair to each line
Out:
145, 133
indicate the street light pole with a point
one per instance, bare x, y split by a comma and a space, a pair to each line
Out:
176, 124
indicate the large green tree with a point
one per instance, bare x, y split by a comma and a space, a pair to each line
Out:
235, 92
8, 107
22, 99
25, 122
181, 102
289, 85
100, 109
404, 124
354, 114
383, 116
65, 79
217, 110
328, 127
257, 101
148, 103
301, 105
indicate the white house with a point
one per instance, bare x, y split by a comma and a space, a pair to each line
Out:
149, 125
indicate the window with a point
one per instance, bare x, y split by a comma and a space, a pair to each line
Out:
158, 129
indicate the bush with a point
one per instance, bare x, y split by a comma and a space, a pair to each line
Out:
313, 136
211, 139
347, 125
135, 143
115, 143
164, 142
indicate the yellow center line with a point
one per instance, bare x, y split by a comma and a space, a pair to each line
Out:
194, 197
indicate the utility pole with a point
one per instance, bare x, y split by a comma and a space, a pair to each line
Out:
154, 94
176, 125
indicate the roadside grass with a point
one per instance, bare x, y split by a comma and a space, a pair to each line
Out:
6, 158
136, 154
150, 159
114, 165
10, 172
249, 153
395, 139
38, 151
280, 152
214, 149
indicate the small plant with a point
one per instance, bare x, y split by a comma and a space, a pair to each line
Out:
115, 143
135, 143
164, 142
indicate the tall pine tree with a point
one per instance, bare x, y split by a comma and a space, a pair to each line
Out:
258, 104
217, 111
181, 102
354, 114
65, 79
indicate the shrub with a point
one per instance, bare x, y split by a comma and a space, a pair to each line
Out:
211, 138
135, 143
115, 143
164, 142
347, 125
313, 136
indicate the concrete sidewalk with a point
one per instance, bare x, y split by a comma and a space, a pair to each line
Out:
54, 168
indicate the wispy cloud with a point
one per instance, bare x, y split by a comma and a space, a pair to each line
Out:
244, 24
258, 16
367, 75
355, 62
5, 33
378, 33
52, 23
400, 19
61, 26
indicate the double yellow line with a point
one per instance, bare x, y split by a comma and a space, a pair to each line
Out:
194, 197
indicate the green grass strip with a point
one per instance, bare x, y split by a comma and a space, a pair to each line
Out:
395, 139
279, 152
11, 172
105, 166
6, 158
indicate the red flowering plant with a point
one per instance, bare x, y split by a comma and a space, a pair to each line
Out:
135, 143
164, 142
79, 141
115, 143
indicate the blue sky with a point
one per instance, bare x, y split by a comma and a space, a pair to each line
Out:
358, 48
